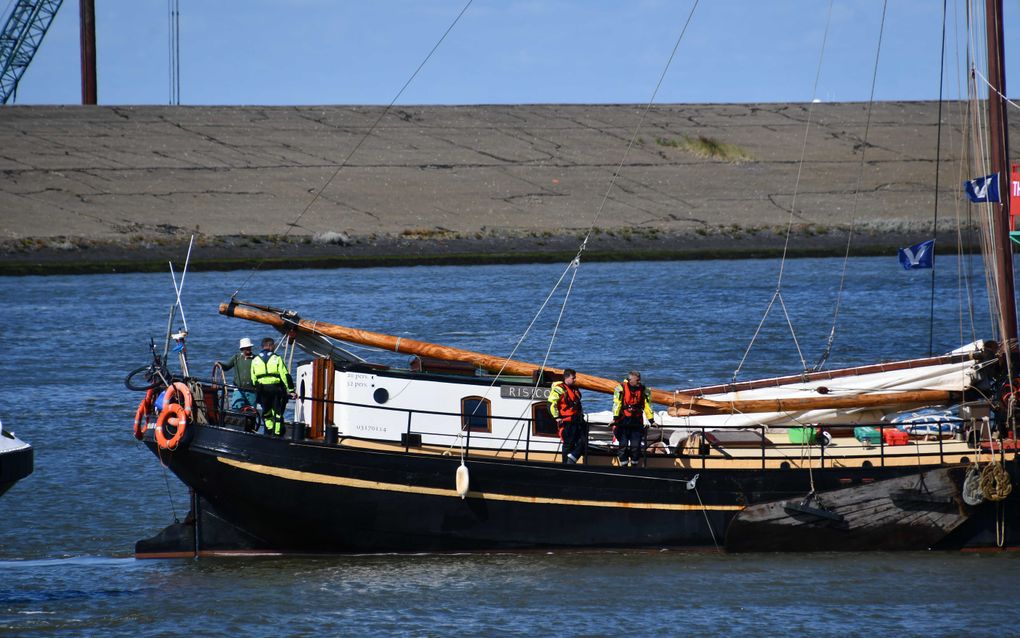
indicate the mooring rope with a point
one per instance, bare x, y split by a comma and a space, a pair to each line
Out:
169, 495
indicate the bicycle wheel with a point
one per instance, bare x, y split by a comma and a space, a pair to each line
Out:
141, 379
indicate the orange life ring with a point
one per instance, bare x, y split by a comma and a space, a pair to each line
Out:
173, 414
174, 388
142, 414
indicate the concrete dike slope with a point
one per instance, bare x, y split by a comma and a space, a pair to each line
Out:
117, 188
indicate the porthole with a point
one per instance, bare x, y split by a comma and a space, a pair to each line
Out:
784, 465
381, 395
866, 464
542, 423
475, 413
964, 460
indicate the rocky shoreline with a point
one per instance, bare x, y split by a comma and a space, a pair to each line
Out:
67, 255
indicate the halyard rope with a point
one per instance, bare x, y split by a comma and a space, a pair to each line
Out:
793, 210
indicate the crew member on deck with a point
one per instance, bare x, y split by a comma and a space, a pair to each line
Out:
631, 401
565, 407
273, 385
244, 390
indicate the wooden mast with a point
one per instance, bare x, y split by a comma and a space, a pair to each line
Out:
685, 403
999, 148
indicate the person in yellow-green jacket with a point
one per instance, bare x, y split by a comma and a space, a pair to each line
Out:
631, 401
565, 407
273, 386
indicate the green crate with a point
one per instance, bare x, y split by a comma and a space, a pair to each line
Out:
867, 434
801, 436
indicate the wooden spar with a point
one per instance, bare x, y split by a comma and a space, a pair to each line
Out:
690, 404
426, 349
824, 402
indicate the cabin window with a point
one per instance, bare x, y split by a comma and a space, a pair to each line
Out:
475, 413
542, 422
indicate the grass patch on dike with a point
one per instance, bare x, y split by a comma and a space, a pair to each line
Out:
707, 147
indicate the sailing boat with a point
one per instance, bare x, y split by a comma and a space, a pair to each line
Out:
459, 451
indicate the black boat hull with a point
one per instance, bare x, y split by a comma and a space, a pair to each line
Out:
15, 465
256, 493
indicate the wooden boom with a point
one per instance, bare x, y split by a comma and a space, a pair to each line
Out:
684, 404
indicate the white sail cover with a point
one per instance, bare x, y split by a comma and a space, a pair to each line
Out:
952, 377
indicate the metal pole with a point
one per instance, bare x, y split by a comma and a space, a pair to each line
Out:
87, 16
407, 437
527, 439
763, 447
998, 134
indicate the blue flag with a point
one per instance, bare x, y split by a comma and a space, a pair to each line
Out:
918, 256
983, 189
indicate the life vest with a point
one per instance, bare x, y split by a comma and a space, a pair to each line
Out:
266, 369
569, 403
633, 400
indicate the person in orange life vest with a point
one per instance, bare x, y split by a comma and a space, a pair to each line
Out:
631, 401
565, 407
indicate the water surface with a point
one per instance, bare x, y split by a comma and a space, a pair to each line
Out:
67, 532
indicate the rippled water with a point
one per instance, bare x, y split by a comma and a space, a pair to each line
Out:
67, 532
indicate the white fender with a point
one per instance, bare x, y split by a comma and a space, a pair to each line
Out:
463, 480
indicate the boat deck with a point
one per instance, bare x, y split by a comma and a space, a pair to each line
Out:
841, 452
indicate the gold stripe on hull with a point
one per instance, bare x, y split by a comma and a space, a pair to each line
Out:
326, 479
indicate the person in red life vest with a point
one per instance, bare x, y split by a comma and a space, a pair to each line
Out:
631, 402
565, 407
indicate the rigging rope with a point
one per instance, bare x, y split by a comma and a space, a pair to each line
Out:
576, 261
857, 196
361, 141
989, 85
979, 155
793, 210
637, 129
964, 271
938, 158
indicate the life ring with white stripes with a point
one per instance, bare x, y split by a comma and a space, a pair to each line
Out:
185, 399
175, 416
142, 414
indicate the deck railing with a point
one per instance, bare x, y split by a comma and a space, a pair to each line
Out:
603, 445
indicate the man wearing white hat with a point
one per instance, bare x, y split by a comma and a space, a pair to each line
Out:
244, 391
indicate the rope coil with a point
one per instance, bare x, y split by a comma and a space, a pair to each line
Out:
995, 483
972, 492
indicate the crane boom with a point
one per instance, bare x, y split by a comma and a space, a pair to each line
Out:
20, 39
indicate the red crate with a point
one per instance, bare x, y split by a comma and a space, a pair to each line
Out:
892, 436
995, 446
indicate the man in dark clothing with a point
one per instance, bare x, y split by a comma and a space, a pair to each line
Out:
631, 402
565, 407
244, 390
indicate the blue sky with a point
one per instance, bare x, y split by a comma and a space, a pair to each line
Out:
503, 51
